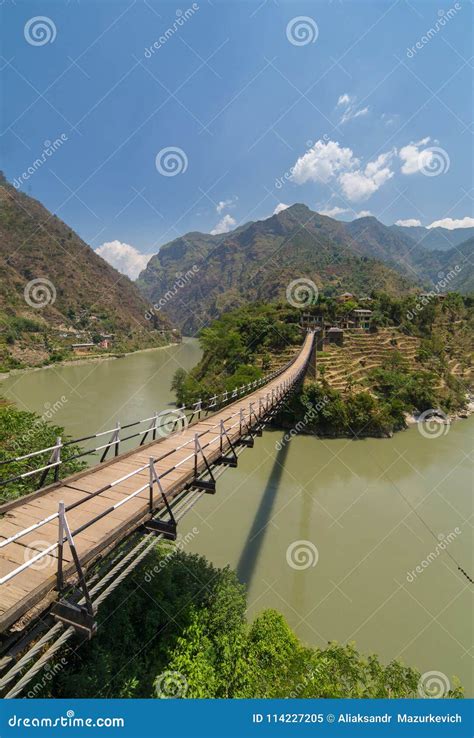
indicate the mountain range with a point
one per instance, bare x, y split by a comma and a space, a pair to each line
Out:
435, 239
196, 277
76, 285
258, 261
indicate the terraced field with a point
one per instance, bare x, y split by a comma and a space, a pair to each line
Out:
348, 365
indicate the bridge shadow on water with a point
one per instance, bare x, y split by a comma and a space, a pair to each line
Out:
254, 541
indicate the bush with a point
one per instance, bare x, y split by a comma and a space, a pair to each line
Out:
189, 619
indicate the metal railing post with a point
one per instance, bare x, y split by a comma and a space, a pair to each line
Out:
151, 481
59, 578
196, 449
117, 438
57, 458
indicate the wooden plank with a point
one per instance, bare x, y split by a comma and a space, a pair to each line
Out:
29, 588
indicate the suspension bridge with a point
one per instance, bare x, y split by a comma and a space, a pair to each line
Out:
65, 547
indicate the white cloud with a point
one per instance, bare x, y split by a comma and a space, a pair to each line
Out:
336, 210
127, 259
408, 223
413, 157
350, 104
281, 206
344, 99
322, 162
327, 160
351, 113
223, 204
451, 223
224, 225
332, 212
361, 183
390, 120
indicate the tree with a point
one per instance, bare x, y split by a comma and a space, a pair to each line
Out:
22, 432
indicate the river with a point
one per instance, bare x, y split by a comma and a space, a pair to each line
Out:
322, 530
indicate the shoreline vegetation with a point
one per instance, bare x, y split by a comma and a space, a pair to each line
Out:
410, 363
210, 650
84, 359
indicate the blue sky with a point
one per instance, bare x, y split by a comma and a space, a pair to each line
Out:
332, 104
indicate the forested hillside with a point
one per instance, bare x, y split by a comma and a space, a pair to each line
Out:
54, 287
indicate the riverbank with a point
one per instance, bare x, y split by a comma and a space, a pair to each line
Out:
301, 424
83, 360
346, 499
348, 506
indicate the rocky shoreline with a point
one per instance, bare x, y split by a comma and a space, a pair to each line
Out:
439, 417
432, 416
82, 360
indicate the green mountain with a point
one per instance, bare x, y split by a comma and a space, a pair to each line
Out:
435, 239
197, 277
372, 238
394, 247
52, 283
458, 260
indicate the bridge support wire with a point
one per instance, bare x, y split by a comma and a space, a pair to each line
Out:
141, 550
184, 501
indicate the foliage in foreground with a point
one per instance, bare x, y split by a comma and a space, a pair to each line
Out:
22, 432
185, 618
395, 389
242, 344
236, 350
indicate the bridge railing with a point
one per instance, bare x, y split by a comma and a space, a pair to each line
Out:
223, 438
160, 424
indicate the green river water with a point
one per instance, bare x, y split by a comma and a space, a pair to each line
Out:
322, 530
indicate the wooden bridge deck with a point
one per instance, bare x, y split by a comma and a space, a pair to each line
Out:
31, 586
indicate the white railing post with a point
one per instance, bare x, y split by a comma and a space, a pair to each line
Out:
151, 481
196, 449
60, 582
57, 457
